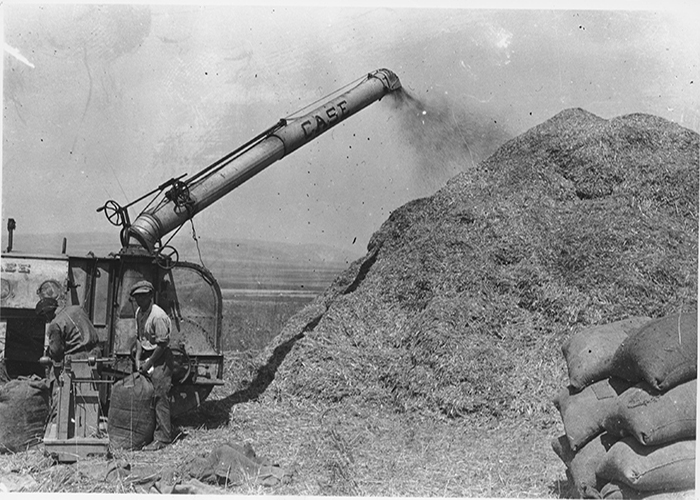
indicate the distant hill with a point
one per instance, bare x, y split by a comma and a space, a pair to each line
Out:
246, 264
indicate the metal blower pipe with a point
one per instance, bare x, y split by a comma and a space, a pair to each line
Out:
155, 223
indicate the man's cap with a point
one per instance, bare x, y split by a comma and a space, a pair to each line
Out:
45, 305
142, 287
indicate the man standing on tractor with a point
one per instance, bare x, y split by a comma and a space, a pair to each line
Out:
154, 358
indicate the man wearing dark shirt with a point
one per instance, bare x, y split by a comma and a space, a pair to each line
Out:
70, 333
70, 330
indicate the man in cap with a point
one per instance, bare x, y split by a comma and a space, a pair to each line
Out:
70, 330
70, 333
153, 357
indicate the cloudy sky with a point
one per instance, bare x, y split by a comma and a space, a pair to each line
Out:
108, 101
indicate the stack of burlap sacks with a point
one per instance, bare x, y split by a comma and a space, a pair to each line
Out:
629, 412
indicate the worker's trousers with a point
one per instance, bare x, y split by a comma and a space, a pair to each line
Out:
162, 376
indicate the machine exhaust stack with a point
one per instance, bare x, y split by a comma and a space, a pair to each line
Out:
11, 226
186, 198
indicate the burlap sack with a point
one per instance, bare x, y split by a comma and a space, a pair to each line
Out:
614, 491
131, 419
24, 409
583, 413
669, 467
581, 466
234, 464
655, 418
588, 353
663, 353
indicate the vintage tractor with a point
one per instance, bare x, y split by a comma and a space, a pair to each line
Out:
188, 292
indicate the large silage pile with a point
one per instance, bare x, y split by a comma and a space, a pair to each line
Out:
464, 298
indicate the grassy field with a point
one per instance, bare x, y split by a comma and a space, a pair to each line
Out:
328, 449
252, 320
356, 449
372, 450
337, 450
